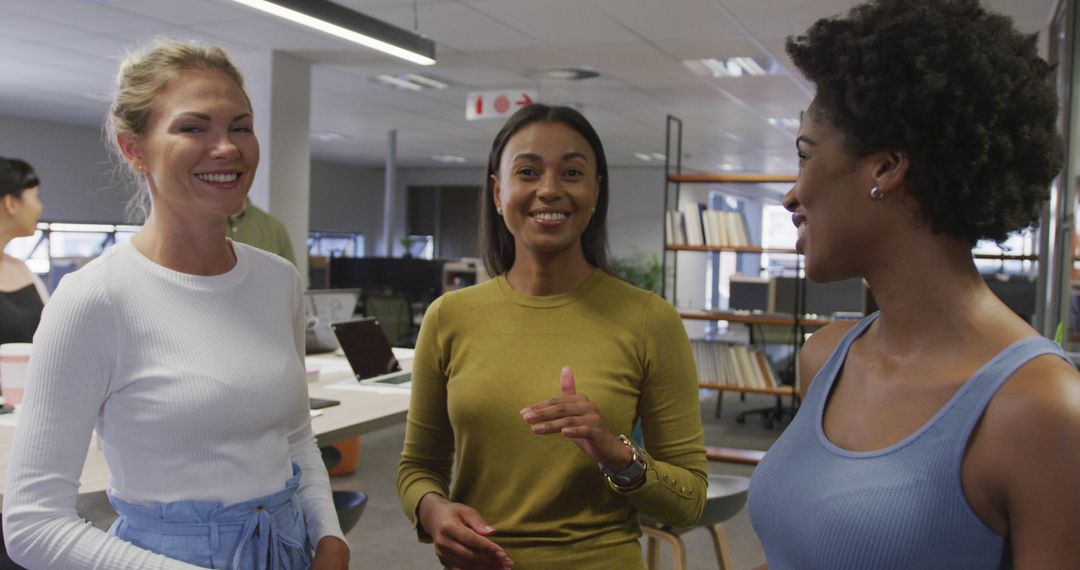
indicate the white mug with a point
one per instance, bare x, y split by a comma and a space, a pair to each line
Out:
14, 360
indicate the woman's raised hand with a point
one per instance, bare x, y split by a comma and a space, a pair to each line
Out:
578, 418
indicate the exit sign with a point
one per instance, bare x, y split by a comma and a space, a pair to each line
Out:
496, 104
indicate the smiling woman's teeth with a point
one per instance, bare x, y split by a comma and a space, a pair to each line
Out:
550, 216
218, 178
802, 229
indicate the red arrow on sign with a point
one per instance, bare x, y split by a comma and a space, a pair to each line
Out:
525, 100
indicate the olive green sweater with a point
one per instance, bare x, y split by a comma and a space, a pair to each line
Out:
487, 351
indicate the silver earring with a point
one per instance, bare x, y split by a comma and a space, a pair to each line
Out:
876, 193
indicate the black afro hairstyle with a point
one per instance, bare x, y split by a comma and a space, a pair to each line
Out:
956, 87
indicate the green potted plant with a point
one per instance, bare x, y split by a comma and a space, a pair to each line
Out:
642, 270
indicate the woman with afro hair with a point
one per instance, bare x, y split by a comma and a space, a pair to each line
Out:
942, 431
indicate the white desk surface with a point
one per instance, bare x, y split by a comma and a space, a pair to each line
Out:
359, 412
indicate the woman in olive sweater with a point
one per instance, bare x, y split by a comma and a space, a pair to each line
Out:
524, 382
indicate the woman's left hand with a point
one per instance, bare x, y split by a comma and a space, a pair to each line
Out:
331, 554
576, 417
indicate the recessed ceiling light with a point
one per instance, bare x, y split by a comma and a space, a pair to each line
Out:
566, 73
727, 167
425, 81
391, 81
449, 158
790, 124
328, 136
643, 156
732, 66
658, 156
98, 97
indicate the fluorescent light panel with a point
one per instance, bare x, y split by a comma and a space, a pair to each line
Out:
355, 27
449, 158
399, 83
327, 136
425, 81
730, 67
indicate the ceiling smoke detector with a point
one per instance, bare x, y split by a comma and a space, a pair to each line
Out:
566, 73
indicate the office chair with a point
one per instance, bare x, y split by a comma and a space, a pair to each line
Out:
395, 315
348, 504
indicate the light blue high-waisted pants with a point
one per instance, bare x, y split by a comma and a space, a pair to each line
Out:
267, 533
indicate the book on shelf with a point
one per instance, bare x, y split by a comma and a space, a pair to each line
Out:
692, 213
734, 364
695, 226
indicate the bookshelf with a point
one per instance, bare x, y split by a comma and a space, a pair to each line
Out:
756, 318
736, 249
678, 244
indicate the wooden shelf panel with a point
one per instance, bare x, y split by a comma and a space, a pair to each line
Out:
734, 455
733, 178
1007, 256
736, 249
754, 319
780, 391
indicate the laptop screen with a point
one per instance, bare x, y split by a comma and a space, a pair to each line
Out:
330, 305
365, 347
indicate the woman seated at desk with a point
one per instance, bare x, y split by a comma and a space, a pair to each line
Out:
22, 294
185, 352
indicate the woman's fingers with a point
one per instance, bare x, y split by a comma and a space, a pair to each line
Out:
470, 542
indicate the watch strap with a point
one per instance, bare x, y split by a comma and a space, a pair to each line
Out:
633, 476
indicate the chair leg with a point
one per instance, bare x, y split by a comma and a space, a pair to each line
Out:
652, 553
723, 554
676, 545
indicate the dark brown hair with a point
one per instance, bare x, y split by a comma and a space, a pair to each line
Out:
15, 176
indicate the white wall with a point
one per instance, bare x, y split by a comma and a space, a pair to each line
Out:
346, 198
77, 182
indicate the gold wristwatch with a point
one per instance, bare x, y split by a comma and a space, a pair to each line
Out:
633, 476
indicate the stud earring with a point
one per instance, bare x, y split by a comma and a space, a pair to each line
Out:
876, 193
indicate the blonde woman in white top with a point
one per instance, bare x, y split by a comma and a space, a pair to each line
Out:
184, 352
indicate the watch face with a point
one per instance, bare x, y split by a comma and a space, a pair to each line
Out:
630, 474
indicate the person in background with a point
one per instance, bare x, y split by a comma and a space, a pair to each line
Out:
525, 382
22, 294
184, 351
255, 227
942, 431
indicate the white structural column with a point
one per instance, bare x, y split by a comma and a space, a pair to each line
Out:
279, 85
388, 193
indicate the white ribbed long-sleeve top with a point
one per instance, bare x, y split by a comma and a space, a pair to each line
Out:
195, 386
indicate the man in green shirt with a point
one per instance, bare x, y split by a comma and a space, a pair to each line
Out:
255, 227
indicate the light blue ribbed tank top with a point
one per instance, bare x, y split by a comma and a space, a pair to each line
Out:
817, 506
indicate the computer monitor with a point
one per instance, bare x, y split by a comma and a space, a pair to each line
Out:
418, 279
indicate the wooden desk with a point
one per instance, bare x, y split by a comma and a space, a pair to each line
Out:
359, 413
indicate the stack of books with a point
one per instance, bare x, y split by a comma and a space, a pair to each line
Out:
694, 225
733, 364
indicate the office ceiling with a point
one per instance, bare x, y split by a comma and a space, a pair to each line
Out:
58, 59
